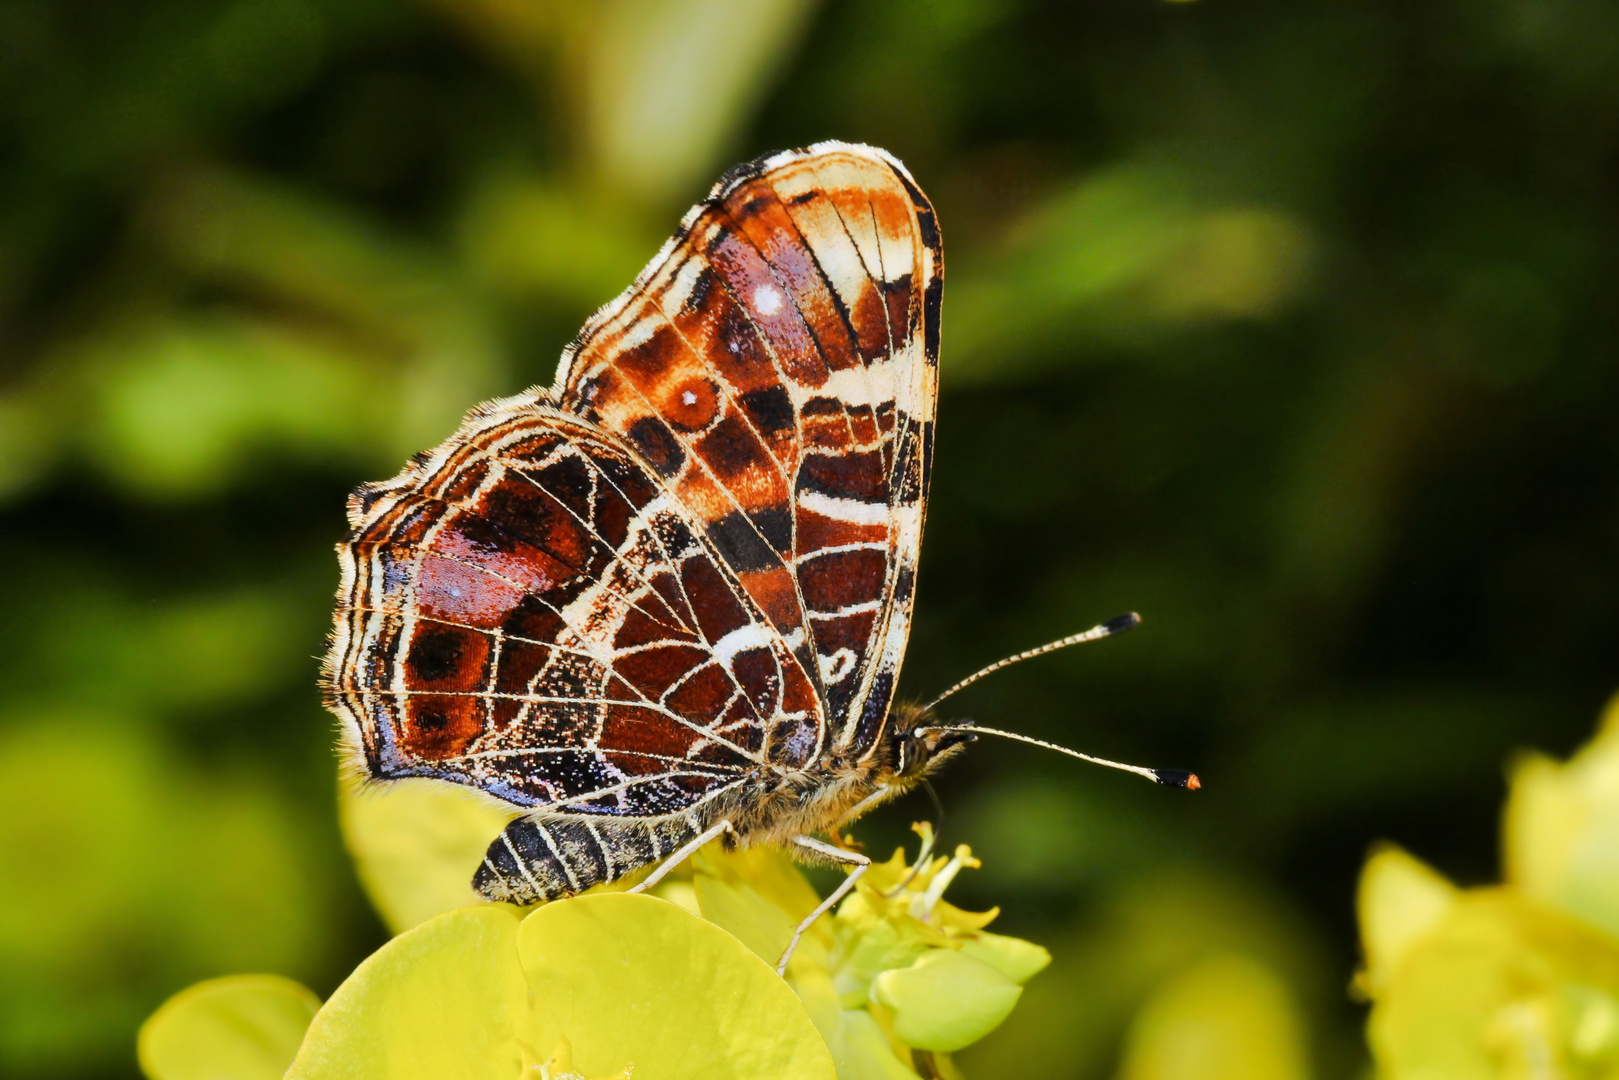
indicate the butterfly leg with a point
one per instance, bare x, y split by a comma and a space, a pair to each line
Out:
849, 817
860, 863
686, 851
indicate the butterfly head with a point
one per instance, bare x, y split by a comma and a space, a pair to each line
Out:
918, 743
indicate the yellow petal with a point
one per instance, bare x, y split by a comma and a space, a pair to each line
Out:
1502, 987
1561, 828
885, 877
951, 917
442, 1001
634, 981
416, 844
1400, 899
758, 895
246, 1027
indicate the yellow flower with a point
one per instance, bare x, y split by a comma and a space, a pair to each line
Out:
1514, 980
897, 974
606, 985
617, 984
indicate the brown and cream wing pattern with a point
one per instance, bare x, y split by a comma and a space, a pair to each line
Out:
776, 364
526, 611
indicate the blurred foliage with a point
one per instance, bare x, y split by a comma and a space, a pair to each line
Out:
1517, 980
1288, 325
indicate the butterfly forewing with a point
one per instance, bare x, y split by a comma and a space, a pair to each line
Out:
776, 365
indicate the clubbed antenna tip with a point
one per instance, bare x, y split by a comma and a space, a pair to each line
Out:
1120, 623
1177, 778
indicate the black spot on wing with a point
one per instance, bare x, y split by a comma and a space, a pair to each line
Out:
770, 409
716, 238
776, 524
737, 175
658, 444
740, 544
699, 291
435, 655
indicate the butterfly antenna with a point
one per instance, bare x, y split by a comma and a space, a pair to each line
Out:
1170, 777
1119, 625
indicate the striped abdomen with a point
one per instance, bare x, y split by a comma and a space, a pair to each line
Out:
534, 861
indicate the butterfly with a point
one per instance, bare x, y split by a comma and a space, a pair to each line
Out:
666, 599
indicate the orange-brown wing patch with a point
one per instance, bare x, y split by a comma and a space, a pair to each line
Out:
776, 364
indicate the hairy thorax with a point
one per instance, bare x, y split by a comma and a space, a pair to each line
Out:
804, 803
778, 806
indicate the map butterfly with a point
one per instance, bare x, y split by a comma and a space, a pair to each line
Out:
666, 599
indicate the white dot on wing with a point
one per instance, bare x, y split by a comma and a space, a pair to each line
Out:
688, 398
767, 298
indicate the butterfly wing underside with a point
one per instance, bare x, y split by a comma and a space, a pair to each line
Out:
691, 560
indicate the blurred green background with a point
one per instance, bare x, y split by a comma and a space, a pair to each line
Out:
1290, 325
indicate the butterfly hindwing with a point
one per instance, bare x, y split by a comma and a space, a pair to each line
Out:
776, 364
527, 612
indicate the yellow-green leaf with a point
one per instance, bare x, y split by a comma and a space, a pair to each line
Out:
760, 925
768, 871
945, 1000
863, 1052
1015, 958
244, 1027
869, 945
757, 894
